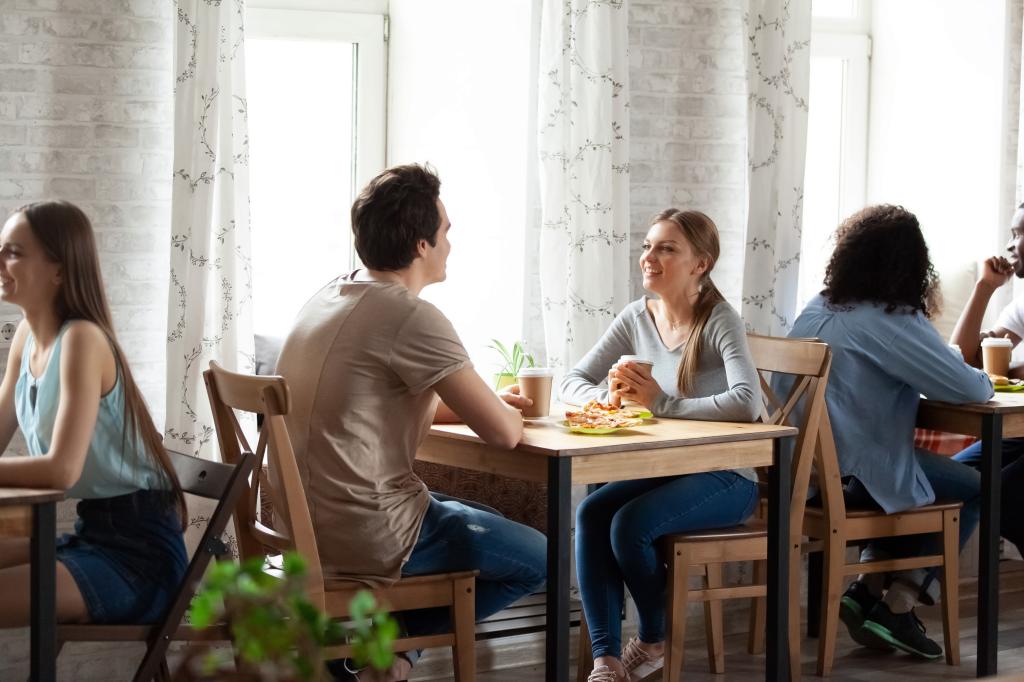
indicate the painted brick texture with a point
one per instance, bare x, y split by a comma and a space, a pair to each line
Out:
687, 122
86, 114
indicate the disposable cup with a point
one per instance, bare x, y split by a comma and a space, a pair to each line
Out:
535, 384
644, 367
995, 355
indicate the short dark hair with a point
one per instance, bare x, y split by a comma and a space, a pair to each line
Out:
393, 213
881, 257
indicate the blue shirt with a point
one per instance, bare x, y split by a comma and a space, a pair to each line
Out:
114, 464
881, 365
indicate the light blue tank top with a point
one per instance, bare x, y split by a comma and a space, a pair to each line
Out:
114, 465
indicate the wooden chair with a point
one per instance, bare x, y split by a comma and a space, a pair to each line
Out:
211, 480
293, 528
836, 526
809, 361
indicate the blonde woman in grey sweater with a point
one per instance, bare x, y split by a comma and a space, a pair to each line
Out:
702, 370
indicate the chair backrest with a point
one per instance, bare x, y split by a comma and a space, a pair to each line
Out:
808, 361
293, 529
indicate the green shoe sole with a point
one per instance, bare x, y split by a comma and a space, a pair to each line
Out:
852, 616
885, 635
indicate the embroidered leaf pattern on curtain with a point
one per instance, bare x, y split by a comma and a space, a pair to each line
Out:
778, 36
583, 144
211, 267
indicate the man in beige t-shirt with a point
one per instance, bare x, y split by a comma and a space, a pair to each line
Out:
367, 362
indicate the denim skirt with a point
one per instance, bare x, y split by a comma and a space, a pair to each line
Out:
127, 556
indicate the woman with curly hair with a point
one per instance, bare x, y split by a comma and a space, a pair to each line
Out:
880, 291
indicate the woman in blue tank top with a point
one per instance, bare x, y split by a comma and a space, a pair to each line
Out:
68, 386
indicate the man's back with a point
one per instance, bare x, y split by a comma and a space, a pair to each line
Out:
360, 362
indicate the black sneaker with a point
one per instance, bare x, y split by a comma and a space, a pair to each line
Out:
904, 631
854, 607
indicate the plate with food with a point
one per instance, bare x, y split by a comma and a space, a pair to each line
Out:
1004, 384
597, 418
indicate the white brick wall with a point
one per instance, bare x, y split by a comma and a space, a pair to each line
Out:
85, 115
687, 125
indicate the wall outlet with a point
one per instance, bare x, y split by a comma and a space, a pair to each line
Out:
8, 325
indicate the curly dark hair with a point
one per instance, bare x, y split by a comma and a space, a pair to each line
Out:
881, 257
393, 213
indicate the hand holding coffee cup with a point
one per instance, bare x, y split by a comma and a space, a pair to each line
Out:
512, 396
995, 355
535, 384
631, 379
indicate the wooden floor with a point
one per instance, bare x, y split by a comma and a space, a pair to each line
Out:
854, 662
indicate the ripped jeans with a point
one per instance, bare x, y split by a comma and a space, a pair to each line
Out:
457, 535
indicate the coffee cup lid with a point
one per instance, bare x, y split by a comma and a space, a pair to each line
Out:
535, 372
999, 342
639, 359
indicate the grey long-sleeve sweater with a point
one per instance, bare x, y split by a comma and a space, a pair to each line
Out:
726, 387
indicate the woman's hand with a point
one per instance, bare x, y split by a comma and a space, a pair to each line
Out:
510, 394
629, 383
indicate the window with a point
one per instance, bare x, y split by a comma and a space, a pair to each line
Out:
315, 83
836, 165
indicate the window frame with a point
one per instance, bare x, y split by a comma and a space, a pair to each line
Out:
855, 50
367, 33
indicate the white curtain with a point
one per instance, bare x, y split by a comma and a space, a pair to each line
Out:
778, 36
583, 143
211, 269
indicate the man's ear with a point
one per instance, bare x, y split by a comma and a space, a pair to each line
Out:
59, 277
421, 247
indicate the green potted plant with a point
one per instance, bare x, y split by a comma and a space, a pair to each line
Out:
511, 362
277, 633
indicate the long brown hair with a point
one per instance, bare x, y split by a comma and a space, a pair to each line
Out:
67, 238
702, 235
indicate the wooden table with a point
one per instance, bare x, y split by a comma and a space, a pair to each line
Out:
42, 554
1003, 416
549, 454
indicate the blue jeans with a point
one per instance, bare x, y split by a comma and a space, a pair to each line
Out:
461, 536
616, 530
1011, 520
951, 481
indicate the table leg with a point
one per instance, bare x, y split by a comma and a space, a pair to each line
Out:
43, 579
777, 639
556, 649
988, 567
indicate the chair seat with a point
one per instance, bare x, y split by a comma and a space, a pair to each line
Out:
344, 584
866, 513
754, 528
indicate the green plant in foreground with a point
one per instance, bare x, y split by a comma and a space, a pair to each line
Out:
512, 361
276, 630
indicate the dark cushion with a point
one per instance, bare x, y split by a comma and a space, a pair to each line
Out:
268, 348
